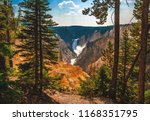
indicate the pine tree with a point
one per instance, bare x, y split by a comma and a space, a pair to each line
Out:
104, 80
5, 49
107, 55
125, 50
135, 37
47, 39
38, 42
10, 24
124, 65
125, 60
135, 30
142, 64
100, 9
2, 29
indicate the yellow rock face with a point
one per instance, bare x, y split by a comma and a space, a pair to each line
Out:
71, 76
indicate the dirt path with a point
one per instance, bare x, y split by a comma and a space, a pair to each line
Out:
75, 99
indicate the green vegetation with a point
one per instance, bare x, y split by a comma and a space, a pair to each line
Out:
126, 87
38, 45
10, 95
9, 92
147, 97
98, 84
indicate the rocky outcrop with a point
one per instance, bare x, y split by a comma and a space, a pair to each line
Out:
92, 52
65, 51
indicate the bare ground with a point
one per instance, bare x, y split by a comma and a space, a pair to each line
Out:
63, 98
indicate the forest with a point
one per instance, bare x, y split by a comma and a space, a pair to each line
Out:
44, 63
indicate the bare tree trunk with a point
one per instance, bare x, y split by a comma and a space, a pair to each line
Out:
36, 47
8, 36
142, 65
116, 49
3, 67
41, 54
132, 66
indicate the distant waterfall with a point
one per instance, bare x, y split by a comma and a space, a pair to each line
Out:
75, 43
77, 49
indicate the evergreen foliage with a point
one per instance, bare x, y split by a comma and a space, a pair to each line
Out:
107, 55
10, 95
147, 97
97, 84
95, 10
104, 77
135, 37
97, 7
125, 62
38, 42
89, 87
9, 92
5, 45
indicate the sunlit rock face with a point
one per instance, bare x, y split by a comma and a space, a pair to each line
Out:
66, 53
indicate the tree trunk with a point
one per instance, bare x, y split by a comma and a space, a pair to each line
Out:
116, 49
132, 66
41, 54
142, 64
8, 36
3, 67
36, 47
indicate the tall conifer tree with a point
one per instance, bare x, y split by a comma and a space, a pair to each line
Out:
100, 9
144, 38
5, 49
38, 41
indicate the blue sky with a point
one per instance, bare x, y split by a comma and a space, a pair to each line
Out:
69, 12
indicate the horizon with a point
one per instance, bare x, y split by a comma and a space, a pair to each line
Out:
90, 26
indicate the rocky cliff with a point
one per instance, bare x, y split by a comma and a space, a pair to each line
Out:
65, 52
93, 50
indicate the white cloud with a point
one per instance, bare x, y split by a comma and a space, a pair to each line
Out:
80, 11
71, 13
68, 4
73, 8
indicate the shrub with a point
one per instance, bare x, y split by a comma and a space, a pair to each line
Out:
54, 83
147, 96
104, 77
98, 84
88, 87
9, 93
